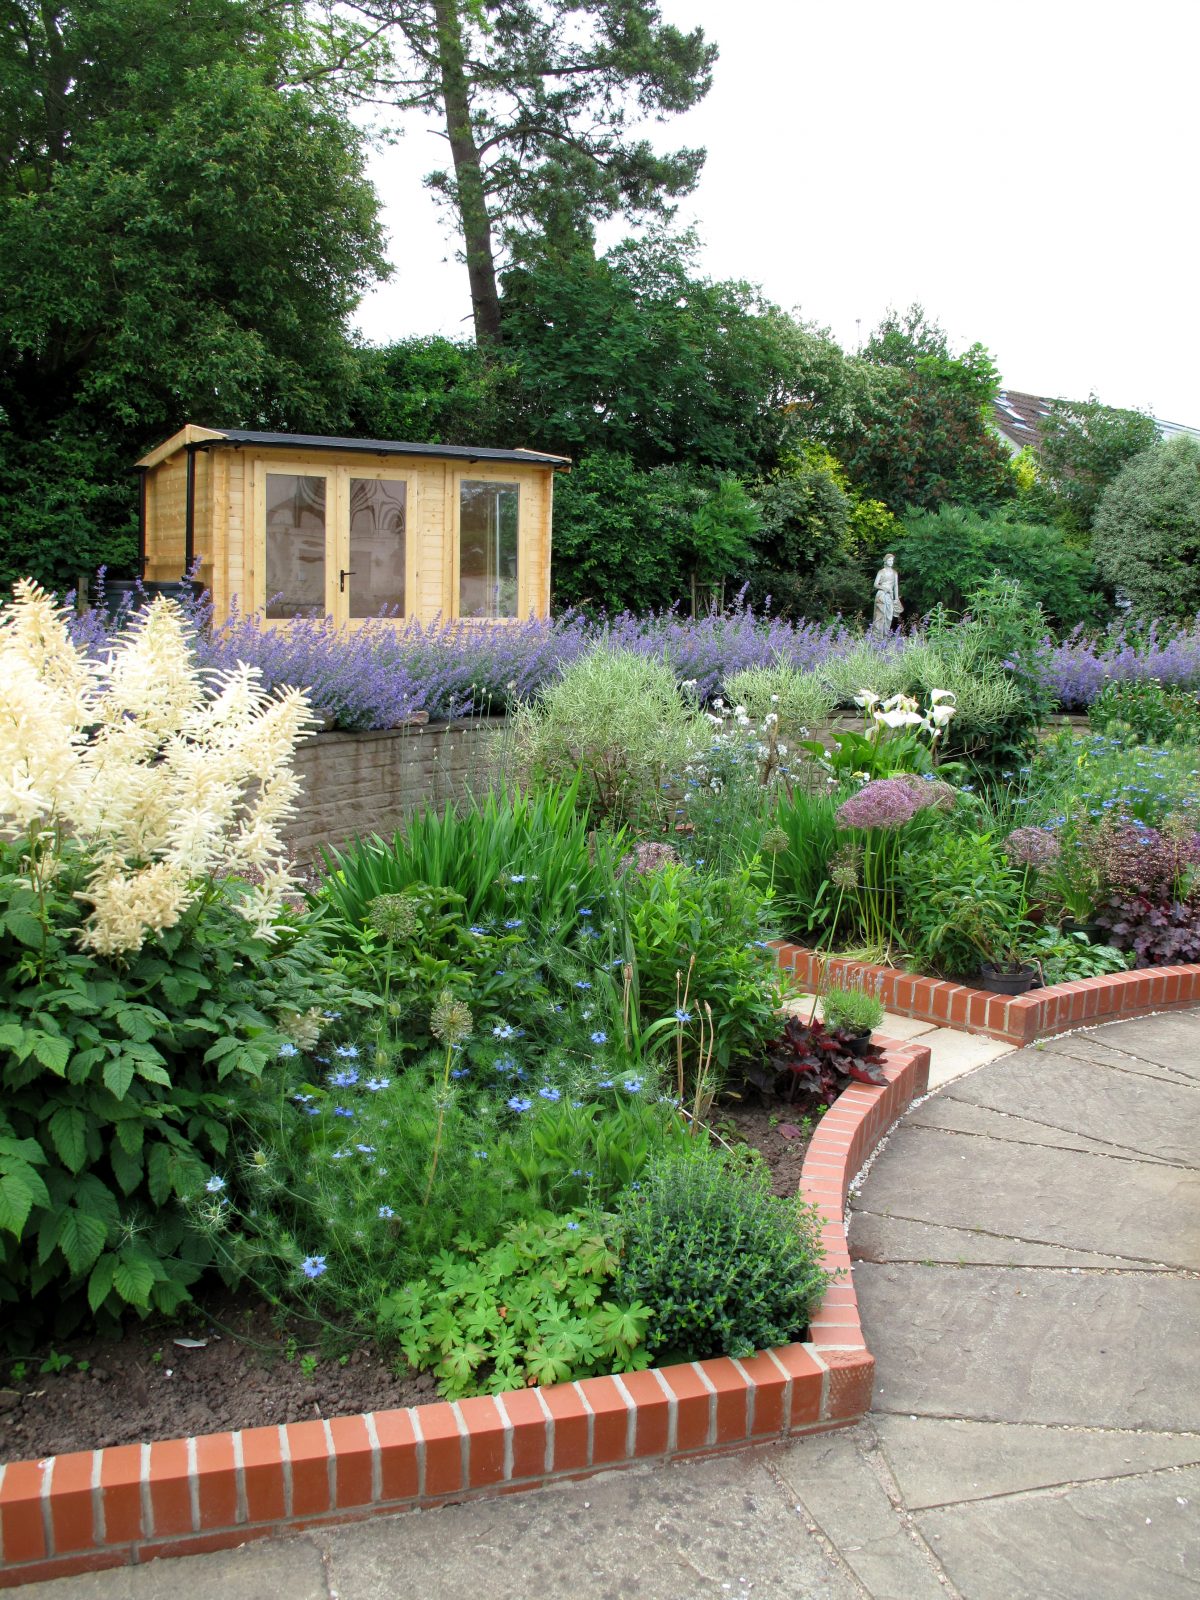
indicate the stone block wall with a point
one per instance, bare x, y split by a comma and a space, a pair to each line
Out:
362, 783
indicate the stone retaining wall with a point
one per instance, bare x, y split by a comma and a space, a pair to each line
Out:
362, 783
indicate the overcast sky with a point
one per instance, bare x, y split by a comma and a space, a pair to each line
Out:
1027, 171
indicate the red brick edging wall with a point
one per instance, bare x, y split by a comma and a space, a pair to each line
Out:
1017, 1019
106, 1508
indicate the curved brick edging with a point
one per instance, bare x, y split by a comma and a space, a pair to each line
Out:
1017, 1019
106, 1508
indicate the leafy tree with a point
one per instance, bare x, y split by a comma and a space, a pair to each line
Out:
184, 228
1146, 530
537, 100
437, 391
918, 435
636, 354
1083, 446
722, 533
623, 534
945, 555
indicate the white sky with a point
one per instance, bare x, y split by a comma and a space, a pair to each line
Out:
1025, 170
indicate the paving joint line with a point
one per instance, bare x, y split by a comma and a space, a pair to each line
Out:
814, 1529
1135, 1158
1177, 1079
1017, 1238
1054, 1127
1034, 1491
879, 1464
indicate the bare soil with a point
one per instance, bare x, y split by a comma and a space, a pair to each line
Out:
238, 1363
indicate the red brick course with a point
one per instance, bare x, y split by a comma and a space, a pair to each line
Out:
1017, 1019
133, 1503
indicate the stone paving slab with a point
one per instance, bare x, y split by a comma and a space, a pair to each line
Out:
1167, 1040
964, 1116
266, 1569
1096, 1050
946, 1461
1034, 1345
1084, 1201
894, 1239
850, 1503
1122, 1540
955, 1054
719, 1527
1128, 1111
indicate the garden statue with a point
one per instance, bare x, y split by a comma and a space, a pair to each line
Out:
888, 605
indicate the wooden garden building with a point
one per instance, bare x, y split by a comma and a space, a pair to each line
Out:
287, 524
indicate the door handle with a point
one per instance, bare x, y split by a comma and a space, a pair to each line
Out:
343, 574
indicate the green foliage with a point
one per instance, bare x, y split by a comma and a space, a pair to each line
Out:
702, 934
1071, 957
118, 1085
636, 355
945, 555
1146, 530
962, 903
805, 558
1142, 711
852, 1009
801, 700
184, 230
807, 900
727, 1268
919, 435
616, 726
433, 390
623, 533
1083, 446
722, 532
1091, 777
526, 1310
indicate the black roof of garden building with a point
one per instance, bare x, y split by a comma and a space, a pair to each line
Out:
213, 438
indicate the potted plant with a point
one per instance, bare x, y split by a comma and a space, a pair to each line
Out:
1003, 942
855, 1013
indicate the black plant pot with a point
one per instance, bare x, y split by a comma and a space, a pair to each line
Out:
1007, 980
1092, 931
858, 1044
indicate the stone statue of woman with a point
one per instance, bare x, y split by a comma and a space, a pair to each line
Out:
888, 605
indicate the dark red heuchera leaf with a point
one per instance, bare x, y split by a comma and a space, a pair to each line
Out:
812, 1062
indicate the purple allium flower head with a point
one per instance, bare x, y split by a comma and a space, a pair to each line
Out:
884, 803
1032, 847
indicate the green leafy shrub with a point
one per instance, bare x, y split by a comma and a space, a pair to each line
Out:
807, 899
1142, 711
617, 724
726, 1267
1146, 529
1069, 957
962, 904
525, 1310
119, 1083
801, 700
696, 935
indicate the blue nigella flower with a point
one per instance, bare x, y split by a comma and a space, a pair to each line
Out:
386, 1211
302, 1099
346, 1079
574, 1227
516, 877
517, 1104
342, 1111
349, 1051
681, 1015
599, 1037
477, 930
547, 1093
583, 984
480, 1155
365, 1149
514, 922
632, 1085
585, 911
461, 1072
504, 1030
376, 1084
215, 1184
605, 1083
313, 1266
288, 1050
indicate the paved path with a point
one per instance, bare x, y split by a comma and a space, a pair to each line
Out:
1029, 1276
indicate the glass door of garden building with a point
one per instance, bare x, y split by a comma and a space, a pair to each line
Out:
334, 541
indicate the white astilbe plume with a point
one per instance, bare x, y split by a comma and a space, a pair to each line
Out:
168, 781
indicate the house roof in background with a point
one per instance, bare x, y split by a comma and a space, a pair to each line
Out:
1017, 417
210, 438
